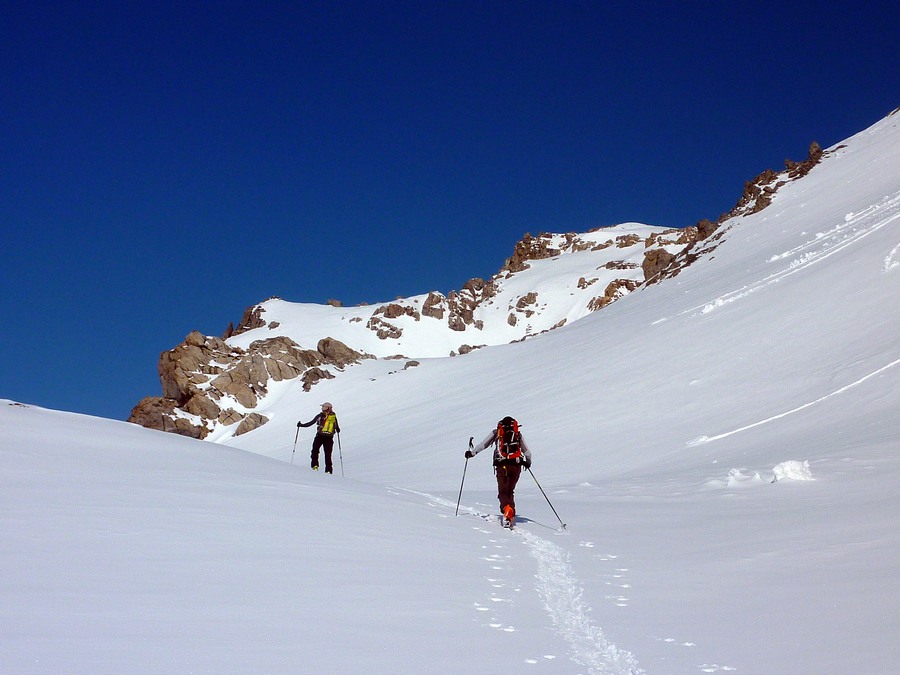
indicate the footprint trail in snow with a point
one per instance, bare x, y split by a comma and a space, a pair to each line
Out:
562, 597
563, 601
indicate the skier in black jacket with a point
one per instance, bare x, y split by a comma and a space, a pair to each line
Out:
326, 427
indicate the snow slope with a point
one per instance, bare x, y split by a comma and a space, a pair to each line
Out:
658, 426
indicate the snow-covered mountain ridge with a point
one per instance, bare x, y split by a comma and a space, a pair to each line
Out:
213, 386
550, 281
558, 279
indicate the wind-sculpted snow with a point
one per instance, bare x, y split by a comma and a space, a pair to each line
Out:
892, 261
792, 470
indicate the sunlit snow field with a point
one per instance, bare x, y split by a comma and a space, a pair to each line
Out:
722, 448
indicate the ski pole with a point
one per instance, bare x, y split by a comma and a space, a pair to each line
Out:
459, 499
340, 454
547, 498
296, 436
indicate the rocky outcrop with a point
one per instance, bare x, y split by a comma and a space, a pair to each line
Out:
313, 375
250, 422
461, 305
619, 265
160, 413
252, 319
758, 194
673, 237
655, 261
615, 290
459, 308
525, 304
337, 353
383, 329
207, 382
529, 248
395, 310
434, 306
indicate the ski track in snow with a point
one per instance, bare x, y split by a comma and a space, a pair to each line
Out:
709, 439
823, 245
854, 228
562, 597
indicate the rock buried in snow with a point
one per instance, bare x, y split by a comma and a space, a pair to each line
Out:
792, 470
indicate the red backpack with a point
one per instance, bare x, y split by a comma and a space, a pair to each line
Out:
509, 443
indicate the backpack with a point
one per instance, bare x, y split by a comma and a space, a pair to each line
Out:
509, 446
327, 424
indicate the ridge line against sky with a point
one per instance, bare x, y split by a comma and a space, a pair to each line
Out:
166, 166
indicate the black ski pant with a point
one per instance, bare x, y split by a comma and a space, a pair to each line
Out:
507, 477
325, 442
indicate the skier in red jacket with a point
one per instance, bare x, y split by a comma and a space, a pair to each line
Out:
511, 453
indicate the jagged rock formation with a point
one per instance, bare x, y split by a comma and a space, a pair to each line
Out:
614, 291
206, 381
252, 319
459, 307
758, 194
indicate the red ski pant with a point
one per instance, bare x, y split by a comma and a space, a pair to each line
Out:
507, 477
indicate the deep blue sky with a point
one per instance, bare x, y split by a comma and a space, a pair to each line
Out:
165, 165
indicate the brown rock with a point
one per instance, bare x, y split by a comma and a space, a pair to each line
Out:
456, 322
229, 417
149, 412
336, 352
383, 329
157, 413
202, 406
251, 422
313, 375
530, 248
434, 306
526, 300
655, 261
395, 310
627, 240
251, 319
615, 290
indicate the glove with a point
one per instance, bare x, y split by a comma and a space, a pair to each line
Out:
469, 454
298, 425
526, 463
